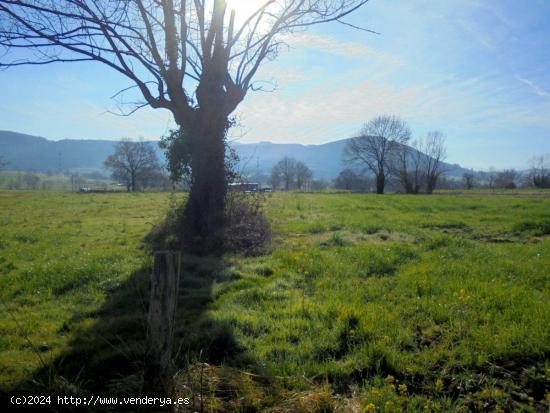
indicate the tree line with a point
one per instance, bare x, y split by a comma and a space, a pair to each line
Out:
385, 154
537, 176
410, 168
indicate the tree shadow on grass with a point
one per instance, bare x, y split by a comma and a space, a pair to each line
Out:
105, 356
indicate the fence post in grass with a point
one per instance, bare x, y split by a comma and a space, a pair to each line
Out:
159, 367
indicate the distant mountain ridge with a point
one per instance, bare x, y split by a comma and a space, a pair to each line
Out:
26, 152
34, 153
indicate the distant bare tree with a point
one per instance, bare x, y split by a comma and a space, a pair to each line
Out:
275, 178
435, 153
284, 172
539, 173
448, 183
379, 139
491, 177
406, 167
304, 175
319, 184
3, 163
133, 163
506, 179
468, 179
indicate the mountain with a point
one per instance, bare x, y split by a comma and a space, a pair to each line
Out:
26, 152
324, 160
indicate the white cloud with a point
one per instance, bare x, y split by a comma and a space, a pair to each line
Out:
338, 47
451, 103
281, 76
480, 102
533, 86
320, 114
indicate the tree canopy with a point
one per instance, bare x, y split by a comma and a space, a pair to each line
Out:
168, 49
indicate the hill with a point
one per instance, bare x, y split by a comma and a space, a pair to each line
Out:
26, 152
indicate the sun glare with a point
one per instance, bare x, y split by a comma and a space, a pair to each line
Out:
244, 8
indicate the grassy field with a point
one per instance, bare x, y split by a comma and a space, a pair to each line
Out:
20, 180
366, 303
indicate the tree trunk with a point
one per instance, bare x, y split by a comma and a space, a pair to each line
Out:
205, 209
430, 184
409, 189
380, 183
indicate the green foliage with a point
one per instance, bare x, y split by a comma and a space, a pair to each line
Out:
366, 303
178, 149
177, 146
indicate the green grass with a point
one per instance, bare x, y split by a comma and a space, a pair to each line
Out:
372, 303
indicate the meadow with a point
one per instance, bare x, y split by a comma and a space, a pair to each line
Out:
365, 303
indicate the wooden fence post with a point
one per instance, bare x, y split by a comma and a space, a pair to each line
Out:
159, 367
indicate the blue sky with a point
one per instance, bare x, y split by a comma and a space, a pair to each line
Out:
478, 70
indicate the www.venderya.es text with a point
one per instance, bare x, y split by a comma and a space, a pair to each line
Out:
97, 401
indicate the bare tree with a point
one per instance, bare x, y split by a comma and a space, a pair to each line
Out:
491, 177
133, 163
435, 153
3, 163
378, 141
319, 184
304, 175
406, 167
448, 183
468, 179
506, 179
539, 174
284, 172
275, 179
194, 58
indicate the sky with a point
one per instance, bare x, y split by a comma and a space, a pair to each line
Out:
477, 70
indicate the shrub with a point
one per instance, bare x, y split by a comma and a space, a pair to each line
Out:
167, 234
247, 230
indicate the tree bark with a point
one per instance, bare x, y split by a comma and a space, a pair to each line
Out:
205, 209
